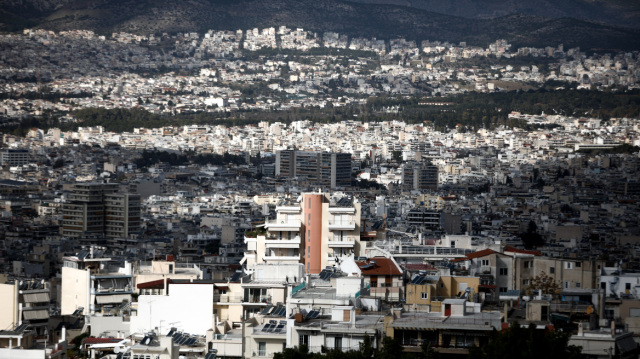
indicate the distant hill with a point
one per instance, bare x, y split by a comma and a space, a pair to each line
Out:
354, 19
612, 12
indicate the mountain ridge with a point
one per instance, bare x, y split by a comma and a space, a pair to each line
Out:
348, 17
612, 12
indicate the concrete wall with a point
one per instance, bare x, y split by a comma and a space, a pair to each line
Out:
272, 346
75, 290
9, 308
312, 219
111, 327
22, 353
189, 306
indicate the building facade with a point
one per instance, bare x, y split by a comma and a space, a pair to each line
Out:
328, 169
98, 209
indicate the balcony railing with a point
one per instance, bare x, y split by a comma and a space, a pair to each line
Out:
282, 258
342, 225
568, 307
227, 298
347, 241
258, 299
283, 225
282, 242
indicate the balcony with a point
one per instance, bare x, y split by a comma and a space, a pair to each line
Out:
227, 298
288, 209
344, 242
282, 225
343, 225
295, 258
274, 242
258, 299
349, 210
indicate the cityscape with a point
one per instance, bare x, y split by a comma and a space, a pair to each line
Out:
276, 192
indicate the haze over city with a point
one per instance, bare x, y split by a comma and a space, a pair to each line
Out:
341, 179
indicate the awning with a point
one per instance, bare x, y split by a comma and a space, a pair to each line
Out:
35, 314
36, 297
466, 333
114, 298
154, 284
626, 345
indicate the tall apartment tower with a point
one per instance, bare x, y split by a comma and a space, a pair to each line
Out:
329, 169
419, 176
14, 157
98, 209
317, 232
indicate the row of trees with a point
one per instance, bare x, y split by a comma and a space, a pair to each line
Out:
149, 158
515, 342
473, 110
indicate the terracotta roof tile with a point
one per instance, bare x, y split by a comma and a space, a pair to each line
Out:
523, 251
383, 266
90, 340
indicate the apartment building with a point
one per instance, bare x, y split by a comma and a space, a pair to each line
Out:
92, 283
316, 230
99, 209
14, 157
25, 302
327, 169
419, 176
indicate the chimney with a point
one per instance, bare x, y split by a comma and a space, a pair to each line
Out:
613, 328
506, 313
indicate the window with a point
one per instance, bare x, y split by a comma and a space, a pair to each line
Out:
568, 265
484, 262
577, 284
424, 295
504, 271
525, 282
578, 264
634, 312
303, 340
528, 264
552, 270
309, 219
262, 349
338, 343
453, 244
309, 235
503, 289
566, 285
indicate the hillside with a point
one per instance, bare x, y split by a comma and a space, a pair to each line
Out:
354, 19
612, 12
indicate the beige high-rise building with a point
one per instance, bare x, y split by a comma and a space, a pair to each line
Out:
98, 209
316, 230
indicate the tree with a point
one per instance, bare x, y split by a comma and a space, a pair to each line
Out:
545, 283
428, 352
391, 349
396, 156
527, 343
301, 352
366, 349
532, 238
